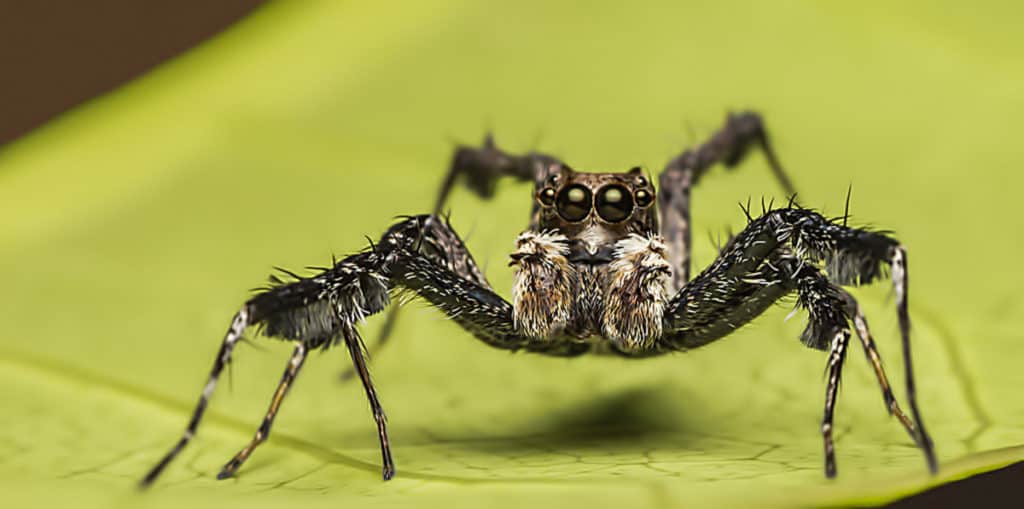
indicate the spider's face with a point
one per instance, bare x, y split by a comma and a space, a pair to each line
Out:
595, 210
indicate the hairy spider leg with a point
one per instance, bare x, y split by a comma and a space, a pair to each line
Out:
383, 335
238, 326
480, 168
436, 240
898, 261
263, 432
827, 318
751, 272
323, 310
860, 324
835, 370
355, 350
742, 131
837, 353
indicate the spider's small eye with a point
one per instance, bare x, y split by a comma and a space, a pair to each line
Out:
574, 203
547, 196
641, 182
614, 203
553, 180
643, 198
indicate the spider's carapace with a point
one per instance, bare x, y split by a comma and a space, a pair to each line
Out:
594, 210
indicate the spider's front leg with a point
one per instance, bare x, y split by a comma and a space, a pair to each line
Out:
742, 131
323, 310
779, 253
479, 169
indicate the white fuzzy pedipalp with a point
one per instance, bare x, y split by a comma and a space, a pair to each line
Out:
542, 289
636, 292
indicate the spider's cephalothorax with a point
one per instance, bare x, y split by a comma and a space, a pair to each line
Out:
604, 267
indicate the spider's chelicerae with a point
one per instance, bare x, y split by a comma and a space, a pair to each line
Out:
603, 268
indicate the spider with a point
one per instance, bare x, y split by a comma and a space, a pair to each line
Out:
603, 268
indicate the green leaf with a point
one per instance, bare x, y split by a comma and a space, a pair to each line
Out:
131, 228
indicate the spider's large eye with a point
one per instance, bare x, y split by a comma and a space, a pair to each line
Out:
614, 203
574, 203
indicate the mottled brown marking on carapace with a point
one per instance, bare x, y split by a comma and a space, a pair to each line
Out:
595, 210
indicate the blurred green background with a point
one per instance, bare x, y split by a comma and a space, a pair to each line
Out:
131, 229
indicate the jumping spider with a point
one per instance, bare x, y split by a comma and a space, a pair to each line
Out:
604, 267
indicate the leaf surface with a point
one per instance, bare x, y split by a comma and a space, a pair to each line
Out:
131, 228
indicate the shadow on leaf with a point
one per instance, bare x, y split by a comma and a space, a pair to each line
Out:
628, 418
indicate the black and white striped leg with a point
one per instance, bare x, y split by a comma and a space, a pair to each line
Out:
323, 310
769, 259
478, 310
837, 353
287, 380
742, 131
718, 300
386, 329
898, 264
355, 351
436, 240
827, 322
860, 324
238, 326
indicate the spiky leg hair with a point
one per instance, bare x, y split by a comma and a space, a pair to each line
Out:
797, 250
420, 254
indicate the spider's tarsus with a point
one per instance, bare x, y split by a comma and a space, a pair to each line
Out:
147, 481
229, 469
389, 472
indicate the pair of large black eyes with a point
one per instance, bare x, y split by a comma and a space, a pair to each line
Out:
614, 203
